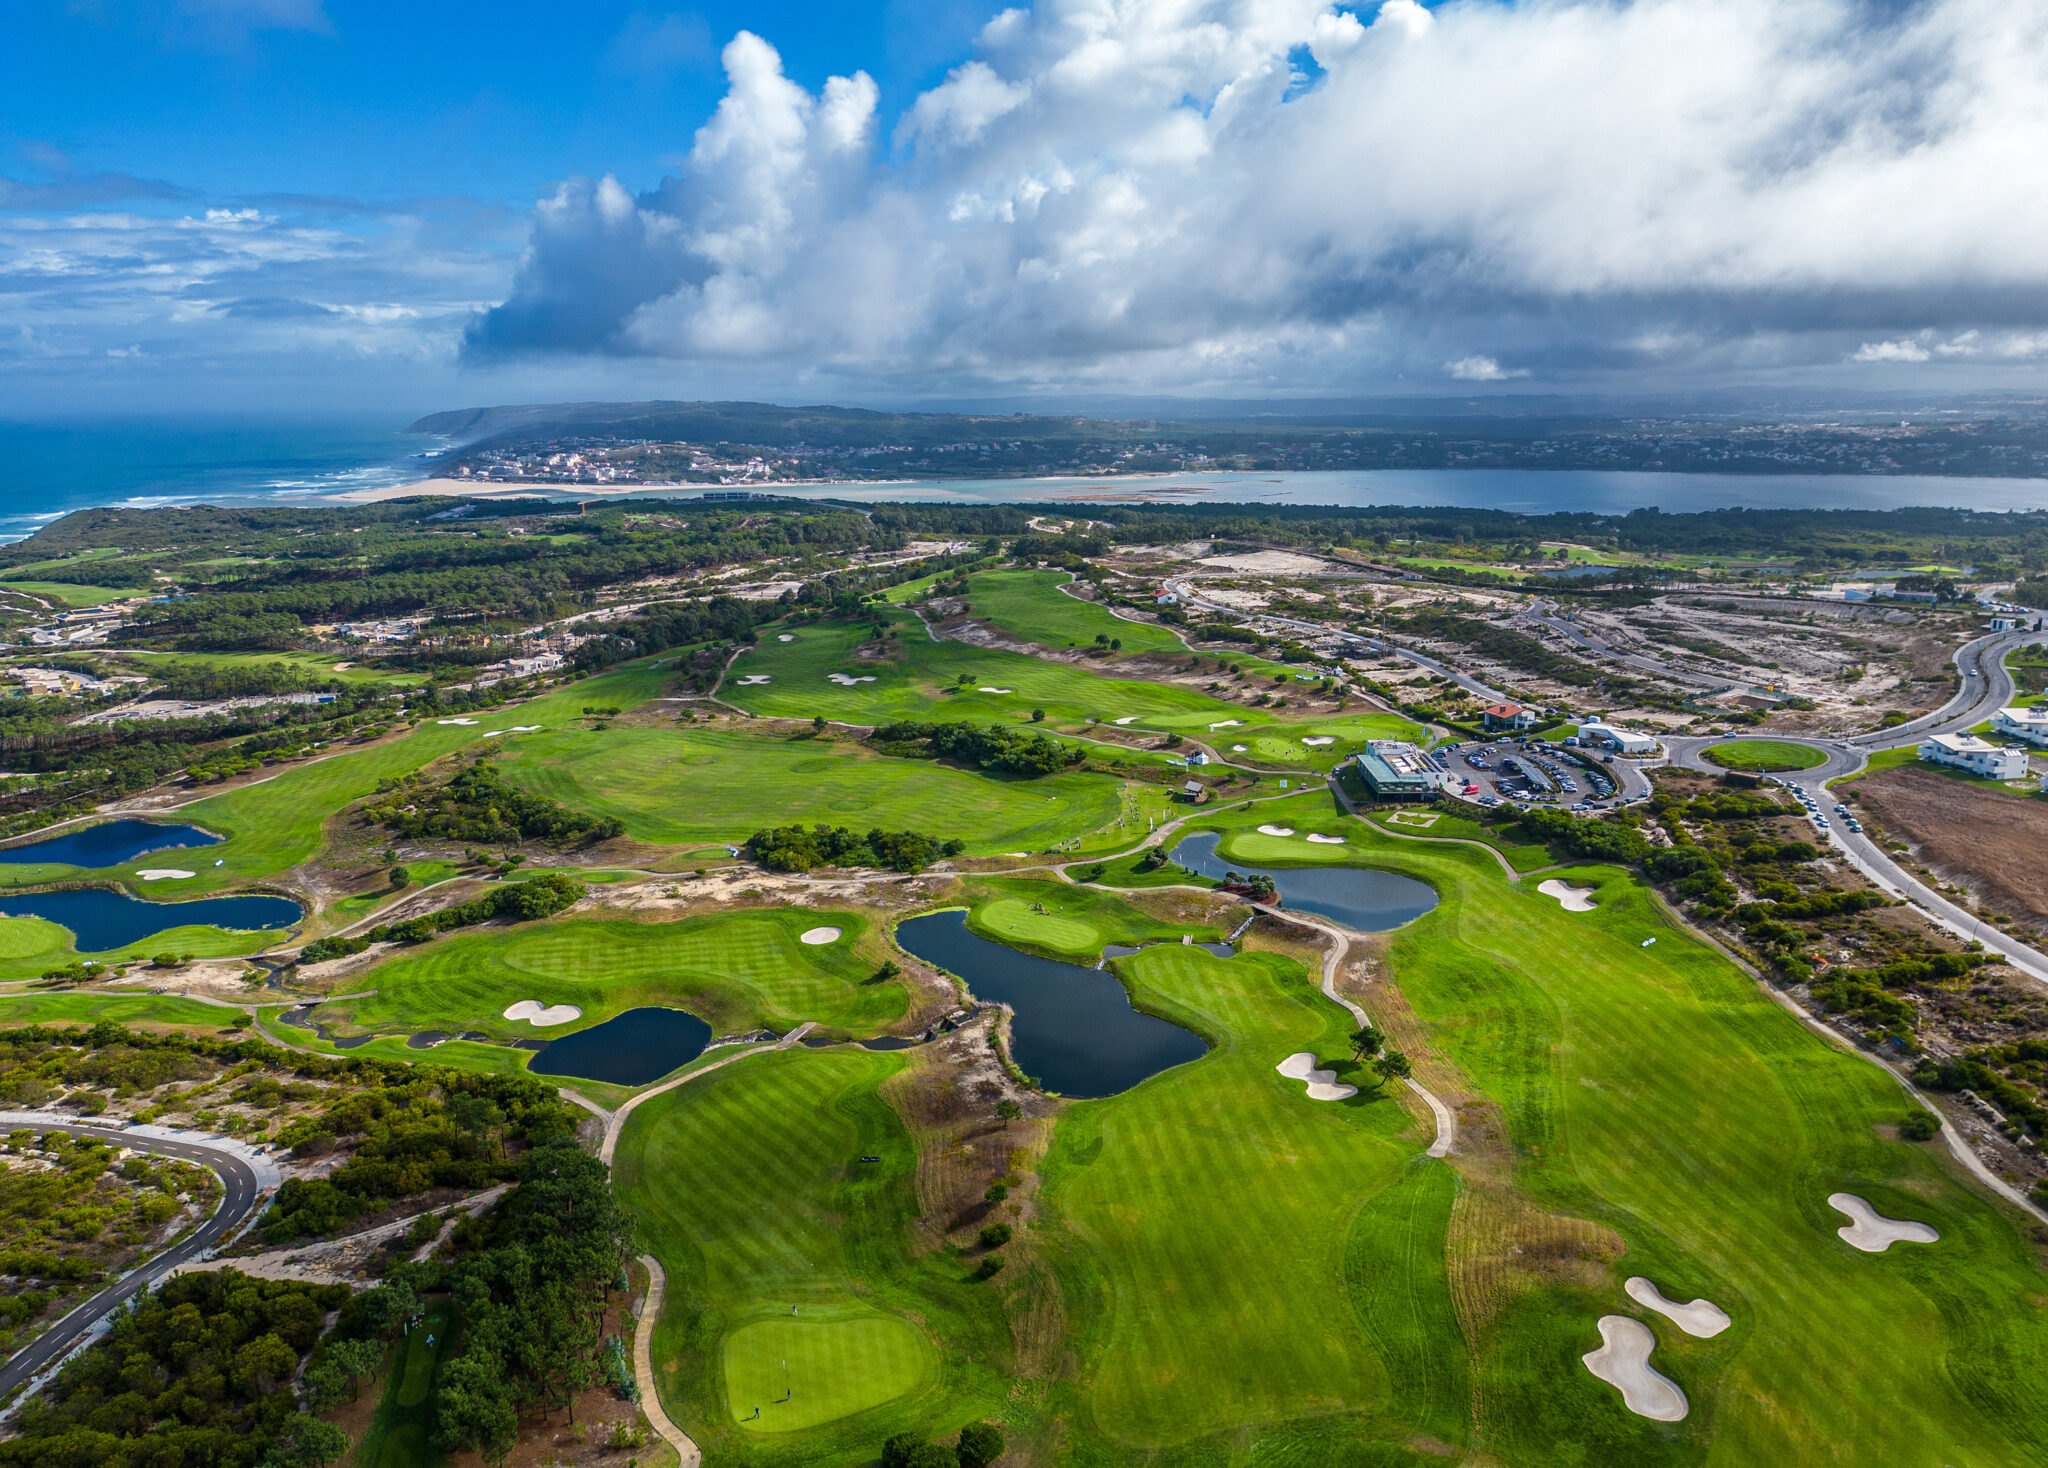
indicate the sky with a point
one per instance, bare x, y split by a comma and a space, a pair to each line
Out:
352, 205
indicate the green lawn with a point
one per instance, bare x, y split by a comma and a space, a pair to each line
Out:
125, 1009
1763, 755
1064, 921
64, 594
31, 947
748, 1186
401, 1434
1658, 1091
676, 786
1451, 826
1241, 1257
1030, 606
736, 971
313, 664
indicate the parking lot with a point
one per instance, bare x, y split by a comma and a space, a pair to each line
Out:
1538, 772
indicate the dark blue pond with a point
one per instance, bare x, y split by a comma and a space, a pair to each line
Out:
628, 1049
1074, 1030
101, 917
108, 844
1360, 898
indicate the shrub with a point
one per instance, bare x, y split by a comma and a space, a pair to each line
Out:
981, 1443
1919, 1126
995, 1236
996, 1193
991, 1265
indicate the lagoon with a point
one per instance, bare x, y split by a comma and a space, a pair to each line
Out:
107, 844
103, 918
1362, 899
630, 1049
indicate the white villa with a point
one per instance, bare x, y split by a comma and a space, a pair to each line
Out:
1968, 752
2030, 724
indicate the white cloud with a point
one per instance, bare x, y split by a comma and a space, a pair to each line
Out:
1481, 369
1903, 350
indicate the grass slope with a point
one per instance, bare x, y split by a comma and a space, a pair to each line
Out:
682, 785
1215, 1215
1030, 606
123, 1009
1658, 1091
747, 1185
735, 970
1763, 754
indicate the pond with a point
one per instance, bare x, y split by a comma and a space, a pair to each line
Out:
108, 844
1074, 1030
101, 918
1363, 900
629, 1049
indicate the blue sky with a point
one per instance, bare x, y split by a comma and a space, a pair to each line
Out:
283, 203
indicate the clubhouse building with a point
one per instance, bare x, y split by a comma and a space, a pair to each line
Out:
1395, 770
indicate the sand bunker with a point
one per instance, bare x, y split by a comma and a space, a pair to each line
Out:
1320, 739
1326, 840
846, 680
525, 728
1226, 723
784, 637
1238, 748
1322, 1084
1702, 1318
158, 874
1872, 1232
752, 678
1276, 830
1571, 899
1623, 1361
540, 1015
817, 937
986, 689
455, 721
1126, 719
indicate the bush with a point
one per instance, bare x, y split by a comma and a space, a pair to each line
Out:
990, 1266
1919, 1126
995, 1236
800, 848
981, 1443
996, 1193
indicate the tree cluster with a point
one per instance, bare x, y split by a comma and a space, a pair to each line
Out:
987, 746
801, 848
478, 805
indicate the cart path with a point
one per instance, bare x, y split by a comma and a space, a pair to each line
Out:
643, 1367
618, 1118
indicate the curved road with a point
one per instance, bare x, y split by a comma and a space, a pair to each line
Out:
240, 1195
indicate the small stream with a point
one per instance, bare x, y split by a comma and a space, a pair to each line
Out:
1362, 899
1074, 1028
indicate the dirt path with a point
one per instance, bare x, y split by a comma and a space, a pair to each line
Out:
643, 1367
1340, 945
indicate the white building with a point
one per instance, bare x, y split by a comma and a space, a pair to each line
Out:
1621, 741
1968, 752
2030, 724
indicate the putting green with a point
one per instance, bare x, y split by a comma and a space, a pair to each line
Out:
1012, 920
829, 1368
1764, 755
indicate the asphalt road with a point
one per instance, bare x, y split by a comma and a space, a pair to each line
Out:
1987, 687
239, 1197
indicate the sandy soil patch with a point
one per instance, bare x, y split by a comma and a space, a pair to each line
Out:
159, 874
1570, 898
540, 1015
1985, 838
1271, 563
1327, 840
1702, 1318
818, 937
1319, 739
1623, 1361
1276, 830
846, 680
1872, 1232
986, 689
455, 721
1323, 1085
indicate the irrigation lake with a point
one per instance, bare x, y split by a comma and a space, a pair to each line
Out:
103, 918
629, 1049
108, 844
1364, 900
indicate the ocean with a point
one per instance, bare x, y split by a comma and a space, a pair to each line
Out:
49, 470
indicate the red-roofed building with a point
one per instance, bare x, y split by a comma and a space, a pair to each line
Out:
1502, 716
